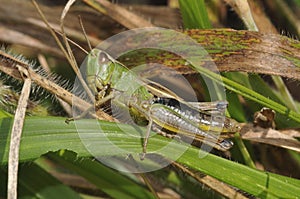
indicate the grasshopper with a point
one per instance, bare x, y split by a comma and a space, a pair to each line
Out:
157, 106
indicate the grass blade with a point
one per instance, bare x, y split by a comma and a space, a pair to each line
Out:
34, 182
42, 135
194, 14
108, 180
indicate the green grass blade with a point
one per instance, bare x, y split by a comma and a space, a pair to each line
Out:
285, 93
235, 107
108, 180
194, 14
4, 114
260, 184
261, 87
42, 135
34, 182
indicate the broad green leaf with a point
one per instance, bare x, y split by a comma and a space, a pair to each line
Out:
42, 135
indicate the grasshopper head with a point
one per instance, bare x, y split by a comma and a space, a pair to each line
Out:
99, 70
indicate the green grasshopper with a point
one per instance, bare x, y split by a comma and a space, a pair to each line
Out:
157, 106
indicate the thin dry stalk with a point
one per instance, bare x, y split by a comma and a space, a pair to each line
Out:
13, 158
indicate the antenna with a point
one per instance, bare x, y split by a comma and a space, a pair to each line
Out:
73, 42
84, 33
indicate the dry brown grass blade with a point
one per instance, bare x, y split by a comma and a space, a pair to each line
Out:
19, 15
280, 138
17, 128
230, 50
123, 16
15, 37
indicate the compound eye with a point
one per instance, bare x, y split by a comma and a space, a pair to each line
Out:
103, 58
